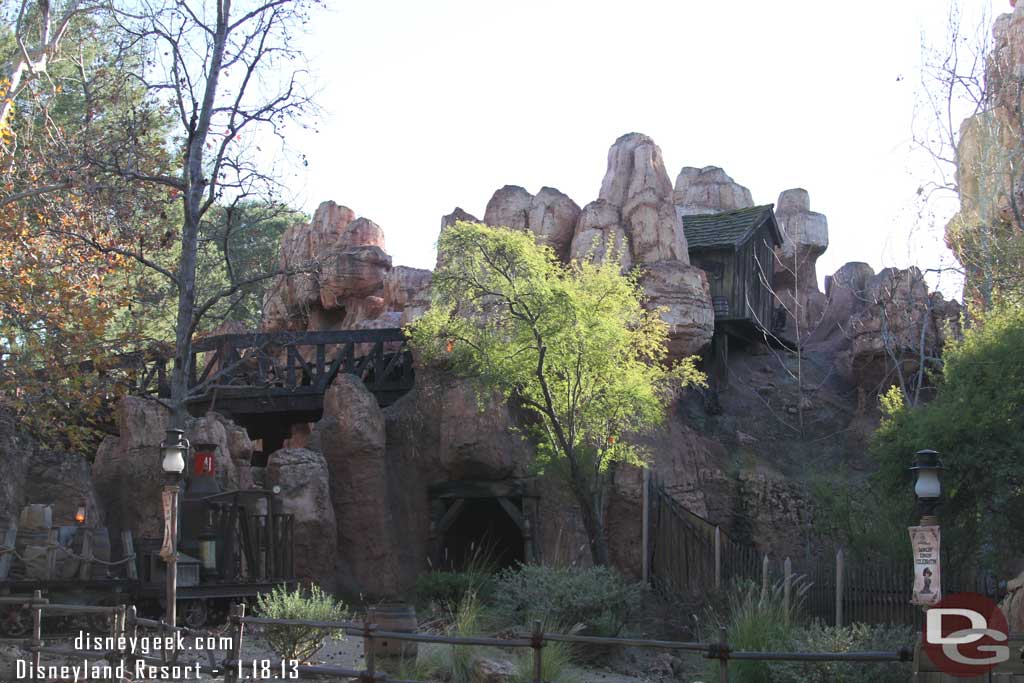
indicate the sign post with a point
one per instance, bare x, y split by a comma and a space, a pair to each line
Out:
927, 571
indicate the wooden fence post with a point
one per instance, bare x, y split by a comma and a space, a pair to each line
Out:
718, 557
723, 658
7, 550
85, 568
537, 643
764, 578
37, 628
234, 669
787, 586
645, 533
369, 654
129, 551
840, 572
52, 541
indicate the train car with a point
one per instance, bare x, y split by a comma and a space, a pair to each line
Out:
233, 545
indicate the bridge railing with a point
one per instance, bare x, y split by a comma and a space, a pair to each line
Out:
287, 361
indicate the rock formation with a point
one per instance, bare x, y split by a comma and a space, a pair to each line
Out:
880, 326
127, 474
342, 277
551, 215
804, 239
635, 208
304, 479
351, 437
708, 190
637, 183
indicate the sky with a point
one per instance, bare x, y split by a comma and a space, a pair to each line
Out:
432, 105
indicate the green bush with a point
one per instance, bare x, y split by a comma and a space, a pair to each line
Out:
599, 598
446, 588
854, 638
299, 642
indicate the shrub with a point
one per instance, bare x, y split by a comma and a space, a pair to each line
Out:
555, 662
447, 588
755, 620
599, 598
854, 638
466, 623
299, 642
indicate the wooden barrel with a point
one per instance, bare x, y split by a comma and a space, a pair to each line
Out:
396, 617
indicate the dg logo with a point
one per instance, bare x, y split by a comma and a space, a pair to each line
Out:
966, 635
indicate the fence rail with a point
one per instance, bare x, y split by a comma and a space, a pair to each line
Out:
126, 623
689, 556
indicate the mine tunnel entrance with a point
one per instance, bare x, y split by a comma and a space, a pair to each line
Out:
483, 533
477, 522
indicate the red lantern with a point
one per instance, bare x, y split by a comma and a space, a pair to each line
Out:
203, 463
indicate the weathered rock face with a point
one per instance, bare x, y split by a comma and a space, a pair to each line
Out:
509, 207
599, 231
127, 472
63, 481
880, 325
804, 239
684, 290
635, 214
15, 453
637, 183
551, 215
708, 190
351, 437
216, 429
351, 275
304, 479
407, 291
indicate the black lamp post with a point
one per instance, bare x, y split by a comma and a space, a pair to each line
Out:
927, 484
173, 451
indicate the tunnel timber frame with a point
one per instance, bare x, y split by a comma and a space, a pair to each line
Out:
448, 500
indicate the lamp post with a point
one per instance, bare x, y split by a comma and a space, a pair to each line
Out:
173, 451
927, 484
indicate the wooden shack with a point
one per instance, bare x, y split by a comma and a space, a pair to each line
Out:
736, 250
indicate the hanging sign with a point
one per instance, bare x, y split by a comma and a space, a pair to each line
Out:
170, 495
927, 573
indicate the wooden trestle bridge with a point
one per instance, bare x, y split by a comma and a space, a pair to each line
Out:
268, 381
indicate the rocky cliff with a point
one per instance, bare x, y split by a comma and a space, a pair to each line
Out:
366, 485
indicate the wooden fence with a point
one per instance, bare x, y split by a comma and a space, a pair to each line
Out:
690, 556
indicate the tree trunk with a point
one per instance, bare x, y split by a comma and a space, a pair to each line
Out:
593, 523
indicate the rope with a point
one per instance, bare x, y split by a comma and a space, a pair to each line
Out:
8, 550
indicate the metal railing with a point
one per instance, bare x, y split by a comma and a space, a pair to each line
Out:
125, 622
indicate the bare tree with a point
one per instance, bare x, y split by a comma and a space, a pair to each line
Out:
223, 80
969, 123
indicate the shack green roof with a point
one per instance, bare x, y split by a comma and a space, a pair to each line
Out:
730, 229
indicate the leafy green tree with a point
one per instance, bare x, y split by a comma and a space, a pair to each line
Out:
977, 423
572, 344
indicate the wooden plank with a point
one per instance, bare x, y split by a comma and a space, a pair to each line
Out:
10, 537
52, 541
513, 512
85, 568
450, 516
129, 550
251, 339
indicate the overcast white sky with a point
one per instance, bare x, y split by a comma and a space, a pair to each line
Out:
432, 105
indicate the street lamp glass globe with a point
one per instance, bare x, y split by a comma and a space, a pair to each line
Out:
174, 448
928, 485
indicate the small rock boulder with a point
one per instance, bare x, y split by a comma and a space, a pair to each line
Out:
487, 670
684, 292
708, 190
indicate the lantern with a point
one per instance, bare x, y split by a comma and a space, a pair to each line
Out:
173, 449
927, 480
80, 515
208, 547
